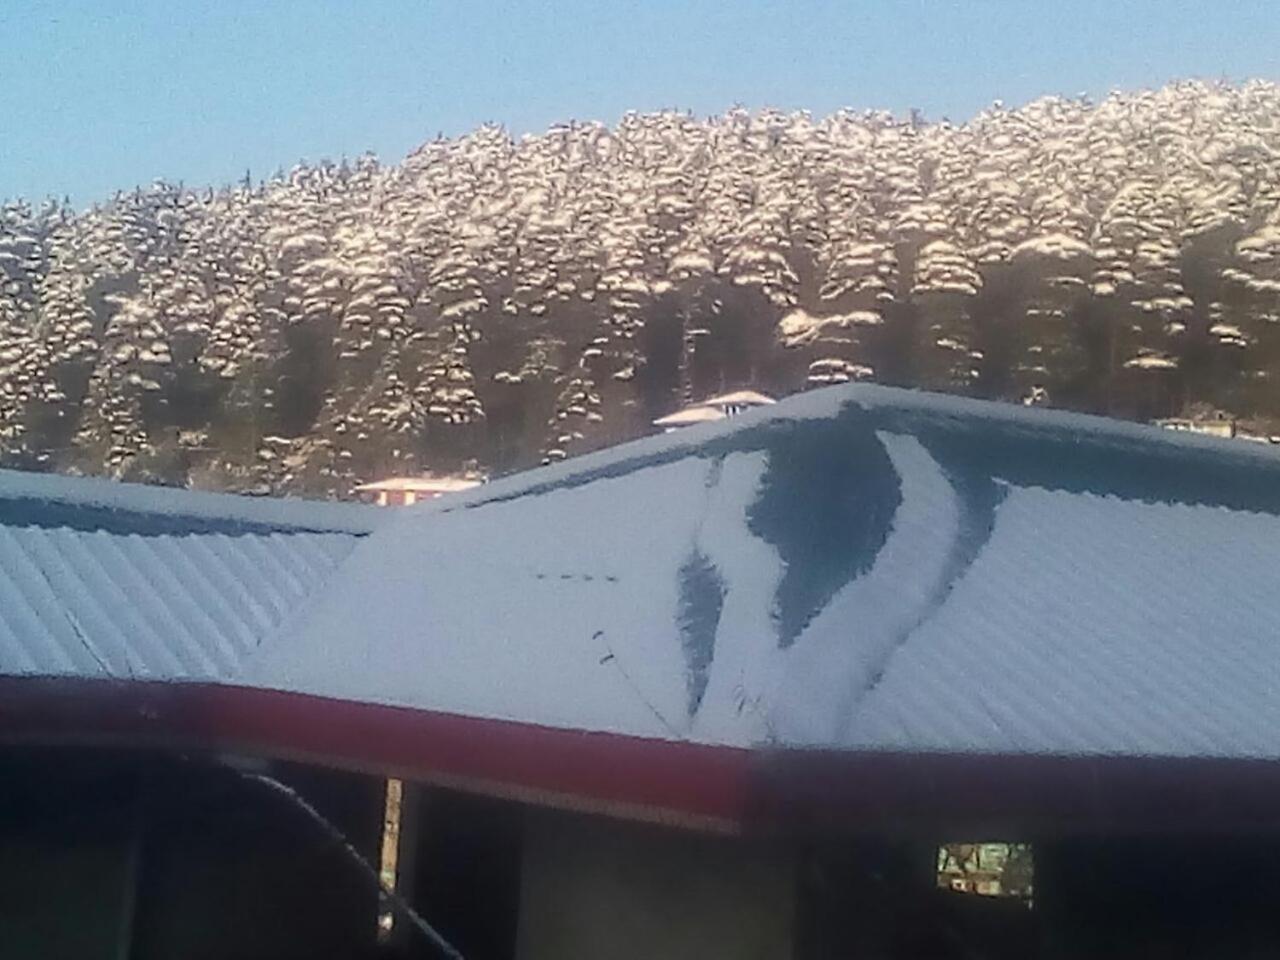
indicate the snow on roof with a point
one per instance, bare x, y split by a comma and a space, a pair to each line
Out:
857, 568
92, 604
697, 414
743, 397
117, 581
861, 572
712, 408
101, 501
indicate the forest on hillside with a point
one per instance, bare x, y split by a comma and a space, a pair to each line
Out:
492, 303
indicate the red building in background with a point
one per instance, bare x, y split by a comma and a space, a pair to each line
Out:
406, 491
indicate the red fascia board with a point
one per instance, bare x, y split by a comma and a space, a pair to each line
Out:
696, 785
703, 786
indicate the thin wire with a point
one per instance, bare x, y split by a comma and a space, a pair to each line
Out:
441, 944
611, 657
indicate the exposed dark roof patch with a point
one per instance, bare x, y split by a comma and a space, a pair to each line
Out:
93, 503
826, 505
1005, 431
702, 591
87, 517
761, 436
1099, 462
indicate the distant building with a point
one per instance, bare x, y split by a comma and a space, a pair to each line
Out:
714, 408
689, 416
738, 401
1221, 426
1214, 427
405, 491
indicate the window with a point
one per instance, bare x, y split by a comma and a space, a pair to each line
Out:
987, 869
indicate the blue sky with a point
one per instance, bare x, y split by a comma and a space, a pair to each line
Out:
97, 95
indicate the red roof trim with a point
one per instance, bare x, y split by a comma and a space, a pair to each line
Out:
695, 785
691, 784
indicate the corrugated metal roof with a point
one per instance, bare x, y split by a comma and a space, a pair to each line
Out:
1091, 624
110, 580
859, 568
91, 503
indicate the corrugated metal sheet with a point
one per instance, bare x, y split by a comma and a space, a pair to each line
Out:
102, 580
1093, 625
859, 569
91, 503
875, 570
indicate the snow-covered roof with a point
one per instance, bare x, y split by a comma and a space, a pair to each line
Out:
38, 496
113, 581
747, 398
855, 572
713, 408
690, 415
858, 568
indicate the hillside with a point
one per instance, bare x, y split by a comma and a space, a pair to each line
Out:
497, 303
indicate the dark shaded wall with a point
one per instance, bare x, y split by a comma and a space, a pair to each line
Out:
118, 855
106, 855
68, 845
463, 871
594, 887
1176, 898
1172, 897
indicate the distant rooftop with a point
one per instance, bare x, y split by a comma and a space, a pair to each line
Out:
696, 414
715, 408
1217, 426
739, 398
48, 500
424, 484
